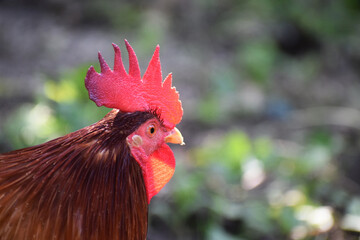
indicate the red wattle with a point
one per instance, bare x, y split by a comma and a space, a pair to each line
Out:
159, 169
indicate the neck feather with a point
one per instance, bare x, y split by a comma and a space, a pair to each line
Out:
85, 185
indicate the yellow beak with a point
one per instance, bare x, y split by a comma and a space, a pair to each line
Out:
175, 137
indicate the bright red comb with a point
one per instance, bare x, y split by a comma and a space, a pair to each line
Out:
129, 93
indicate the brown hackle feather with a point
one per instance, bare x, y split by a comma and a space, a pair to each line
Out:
84, 185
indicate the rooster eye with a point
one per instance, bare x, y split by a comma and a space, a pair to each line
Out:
151, 129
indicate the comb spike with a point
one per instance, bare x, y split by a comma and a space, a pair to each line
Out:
134, 69
118, 63
90, 74
168, 81
103, 65
89, 84
153, 74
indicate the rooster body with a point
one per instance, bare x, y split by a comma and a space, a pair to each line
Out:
85, 185
95, 183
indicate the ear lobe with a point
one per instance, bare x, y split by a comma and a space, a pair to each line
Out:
136, 141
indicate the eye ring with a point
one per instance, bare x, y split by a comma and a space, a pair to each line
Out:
151, 130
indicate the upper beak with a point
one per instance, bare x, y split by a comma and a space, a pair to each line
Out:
175, 137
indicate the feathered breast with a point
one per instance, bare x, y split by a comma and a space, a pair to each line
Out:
85, 185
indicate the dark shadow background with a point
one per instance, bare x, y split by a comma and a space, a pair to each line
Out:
271, 97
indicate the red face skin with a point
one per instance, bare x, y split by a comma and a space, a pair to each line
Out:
148, 147
148, 137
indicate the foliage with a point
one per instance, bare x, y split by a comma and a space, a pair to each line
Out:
252, 188
62, 107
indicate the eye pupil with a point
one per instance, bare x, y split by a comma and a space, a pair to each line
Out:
151, 129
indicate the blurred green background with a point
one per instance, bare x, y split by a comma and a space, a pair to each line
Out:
271, 97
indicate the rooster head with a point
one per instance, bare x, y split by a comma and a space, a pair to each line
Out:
129, 92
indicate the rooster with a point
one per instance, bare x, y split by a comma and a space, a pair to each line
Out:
97, 182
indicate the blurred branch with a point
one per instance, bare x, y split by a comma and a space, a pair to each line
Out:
320, 116
347, 183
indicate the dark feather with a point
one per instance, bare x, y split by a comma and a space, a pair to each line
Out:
84, 185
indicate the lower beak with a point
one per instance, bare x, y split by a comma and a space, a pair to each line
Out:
175, 137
